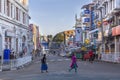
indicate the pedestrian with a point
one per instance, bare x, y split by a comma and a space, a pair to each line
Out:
82, 52
73, 63
44, 64
91, 56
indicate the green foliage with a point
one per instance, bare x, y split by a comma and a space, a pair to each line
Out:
59, 37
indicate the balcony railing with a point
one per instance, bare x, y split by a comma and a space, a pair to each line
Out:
14, 64
111, 57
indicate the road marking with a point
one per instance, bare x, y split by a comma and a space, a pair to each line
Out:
59, 60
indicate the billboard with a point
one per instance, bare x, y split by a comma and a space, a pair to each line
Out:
78, 34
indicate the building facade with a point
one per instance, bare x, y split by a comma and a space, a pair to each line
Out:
87, 19
14, 21
69, 37
108, 21
34, 36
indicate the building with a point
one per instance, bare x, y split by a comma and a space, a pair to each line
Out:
69, 37
14, 32
34, 36
108, 21
14, 21
87, 24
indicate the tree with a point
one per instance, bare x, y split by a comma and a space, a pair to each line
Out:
58, 37
49, 37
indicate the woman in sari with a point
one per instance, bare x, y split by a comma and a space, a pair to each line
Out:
44, 64
73, 63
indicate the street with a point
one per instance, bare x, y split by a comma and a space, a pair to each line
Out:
58, 70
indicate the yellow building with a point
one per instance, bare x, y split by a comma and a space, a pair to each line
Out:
69, 33
35, 36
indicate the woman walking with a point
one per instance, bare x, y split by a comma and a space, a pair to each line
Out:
73, 63
91, 56
44, 64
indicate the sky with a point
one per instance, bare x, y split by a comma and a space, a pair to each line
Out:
54, 16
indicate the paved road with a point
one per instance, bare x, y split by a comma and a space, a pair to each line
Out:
58, 70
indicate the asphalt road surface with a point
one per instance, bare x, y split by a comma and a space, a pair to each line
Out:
58, 70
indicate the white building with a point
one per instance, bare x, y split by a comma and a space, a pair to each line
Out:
14, 21
109, 12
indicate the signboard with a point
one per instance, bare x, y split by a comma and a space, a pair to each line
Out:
86, 19
86, 11
78, 34
114, 29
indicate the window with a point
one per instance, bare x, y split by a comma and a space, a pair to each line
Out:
17, 13
23, 18
8, 42
105, 9
8, 8
12, 10
20, 18
0, 6
4, 6
111, 4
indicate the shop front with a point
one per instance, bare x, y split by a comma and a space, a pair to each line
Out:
114, 52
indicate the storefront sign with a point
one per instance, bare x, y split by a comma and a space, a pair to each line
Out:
86, 19
116, 31
86, 11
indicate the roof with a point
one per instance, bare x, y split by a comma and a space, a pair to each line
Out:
87, 5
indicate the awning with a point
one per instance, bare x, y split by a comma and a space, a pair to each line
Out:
93, 31
116, 30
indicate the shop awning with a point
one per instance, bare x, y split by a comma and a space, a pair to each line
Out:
116, 30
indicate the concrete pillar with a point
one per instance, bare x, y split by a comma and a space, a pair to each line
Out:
115, 55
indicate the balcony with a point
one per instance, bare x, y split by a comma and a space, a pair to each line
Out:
117, 5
